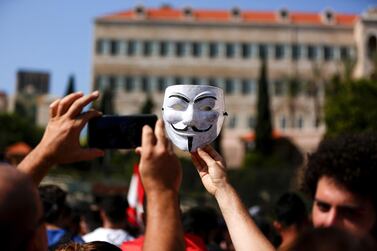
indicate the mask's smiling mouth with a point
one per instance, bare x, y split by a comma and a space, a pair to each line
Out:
193, 128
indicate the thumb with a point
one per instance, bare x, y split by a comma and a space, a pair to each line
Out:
138, 150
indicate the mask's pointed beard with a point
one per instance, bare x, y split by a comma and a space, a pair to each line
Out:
189, 143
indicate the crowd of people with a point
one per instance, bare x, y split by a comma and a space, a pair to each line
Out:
339, 178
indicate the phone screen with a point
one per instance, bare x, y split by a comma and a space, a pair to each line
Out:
118, 132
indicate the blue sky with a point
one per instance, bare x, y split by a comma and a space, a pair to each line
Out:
56, 35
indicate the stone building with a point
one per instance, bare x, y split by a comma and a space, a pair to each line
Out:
138, 52
3, 102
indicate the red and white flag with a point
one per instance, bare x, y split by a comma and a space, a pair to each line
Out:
135, 198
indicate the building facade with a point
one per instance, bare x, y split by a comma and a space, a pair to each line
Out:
3, 102
139, 52
33, 82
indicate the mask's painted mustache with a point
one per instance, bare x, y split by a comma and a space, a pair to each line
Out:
193, 128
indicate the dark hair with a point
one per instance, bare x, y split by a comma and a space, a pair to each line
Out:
54, 202
323, 239
290, 210
114, 206
351, 160
90, 246
200, 221
92, 218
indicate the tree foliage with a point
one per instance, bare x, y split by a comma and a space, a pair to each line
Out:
106, 105
26, 106
269, 175
70, 85
148, 106
263, 129
14, 128
351, 106
271, 158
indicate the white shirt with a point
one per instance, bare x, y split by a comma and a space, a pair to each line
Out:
113, 236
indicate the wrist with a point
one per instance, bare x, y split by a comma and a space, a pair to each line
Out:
223, 191
45, 157
36, 164
153, 186
161, 192
158, 201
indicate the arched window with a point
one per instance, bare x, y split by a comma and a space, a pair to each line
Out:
372, 46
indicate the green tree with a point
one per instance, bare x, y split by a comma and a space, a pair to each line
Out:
107, 101
106, 106
148, 106
350, 106
26, 106
14, 128
271, 157
263, 128
293, 85
70, 85
348, 68
268, 175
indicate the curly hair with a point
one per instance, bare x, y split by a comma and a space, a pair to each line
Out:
335, 239
351, 160
90, 246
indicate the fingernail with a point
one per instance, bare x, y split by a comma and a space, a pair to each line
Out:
52, 105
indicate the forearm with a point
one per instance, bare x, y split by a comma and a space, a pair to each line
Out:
243, 231
36, 164
164, 228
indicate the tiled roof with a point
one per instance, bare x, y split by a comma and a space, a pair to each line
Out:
201, 15
259, 16
305, 18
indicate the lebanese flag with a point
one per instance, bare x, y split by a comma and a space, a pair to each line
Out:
135, 198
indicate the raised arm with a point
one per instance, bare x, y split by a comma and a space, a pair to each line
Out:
61, 141
161, 175
244, 233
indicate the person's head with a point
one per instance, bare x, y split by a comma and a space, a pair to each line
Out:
73, 221
200, 221
113, 209
334, 239
90, 246
341, 178
21, 215
54, 204
90, 220
290, 211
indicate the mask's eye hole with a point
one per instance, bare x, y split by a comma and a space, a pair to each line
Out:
206, 108
178, 107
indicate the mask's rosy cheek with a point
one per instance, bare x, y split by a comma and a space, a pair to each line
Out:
211, 116
172, 117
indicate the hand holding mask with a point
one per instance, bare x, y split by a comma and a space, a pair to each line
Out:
193, 115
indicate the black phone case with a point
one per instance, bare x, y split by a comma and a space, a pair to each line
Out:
118, 132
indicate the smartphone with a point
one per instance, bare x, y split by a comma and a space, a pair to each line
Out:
118, 132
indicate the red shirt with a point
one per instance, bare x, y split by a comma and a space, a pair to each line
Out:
192, 242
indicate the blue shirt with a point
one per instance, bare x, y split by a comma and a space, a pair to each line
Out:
54, 235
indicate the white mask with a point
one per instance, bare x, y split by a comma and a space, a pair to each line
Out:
193, 115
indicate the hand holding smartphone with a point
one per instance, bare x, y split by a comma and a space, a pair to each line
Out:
118, 132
